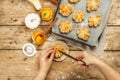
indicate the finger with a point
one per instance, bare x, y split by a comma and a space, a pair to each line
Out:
82, 66
87, 52
46, 50
75, 63
79, 62
47, 54
81, 56
77, 57
86, 67
49, 47
52, 56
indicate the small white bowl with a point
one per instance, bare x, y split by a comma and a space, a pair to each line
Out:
29, 49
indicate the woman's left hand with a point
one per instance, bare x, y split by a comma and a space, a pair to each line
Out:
45, 63
46, 59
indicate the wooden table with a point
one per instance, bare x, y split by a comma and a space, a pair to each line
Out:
14, 65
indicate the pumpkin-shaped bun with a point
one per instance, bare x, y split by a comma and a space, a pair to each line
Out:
46, 14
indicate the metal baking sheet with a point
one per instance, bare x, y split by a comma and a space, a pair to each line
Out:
95, 33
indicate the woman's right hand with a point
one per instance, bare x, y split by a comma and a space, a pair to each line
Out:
88, 58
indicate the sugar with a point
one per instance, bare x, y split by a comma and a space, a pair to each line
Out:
29, 49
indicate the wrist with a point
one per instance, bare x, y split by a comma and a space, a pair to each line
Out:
42, 75
98, 62
43, 72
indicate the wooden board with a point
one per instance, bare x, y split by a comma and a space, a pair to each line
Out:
14, 65
14, 37
13, 12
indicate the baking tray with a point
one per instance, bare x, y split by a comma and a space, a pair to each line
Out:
95, 33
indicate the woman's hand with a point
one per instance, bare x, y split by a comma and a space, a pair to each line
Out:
46, 59
88, 58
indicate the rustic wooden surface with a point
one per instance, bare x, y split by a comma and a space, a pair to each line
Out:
13, 35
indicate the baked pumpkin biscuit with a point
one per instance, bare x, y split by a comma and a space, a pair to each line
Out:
74, 1
95, 20
78, 16
83, 33
65, 26
66, 9
93, 5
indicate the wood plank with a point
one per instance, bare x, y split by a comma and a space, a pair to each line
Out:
16, 77
14, 65
14, 37
16, 11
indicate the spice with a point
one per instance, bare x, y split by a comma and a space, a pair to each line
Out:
38, 38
